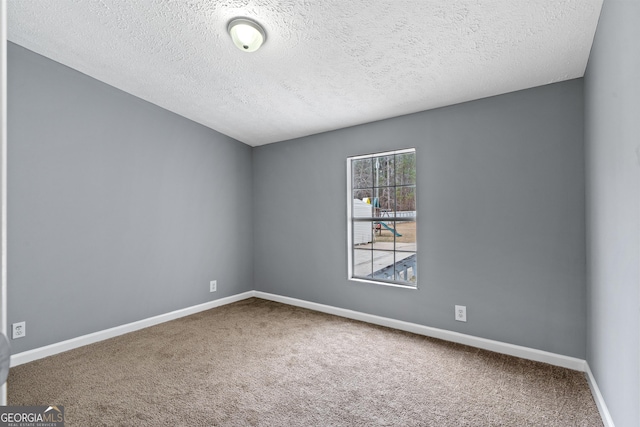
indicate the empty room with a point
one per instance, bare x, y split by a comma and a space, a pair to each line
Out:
345, 213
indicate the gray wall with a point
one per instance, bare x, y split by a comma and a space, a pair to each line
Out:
118, 210
501, 218
612, 133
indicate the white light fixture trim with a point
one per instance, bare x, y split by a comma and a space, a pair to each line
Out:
246, 34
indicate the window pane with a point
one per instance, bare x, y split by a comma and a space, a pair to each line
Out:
383, 265
406, 267
363, 233
362, 173
363, 194
406, 168
408, 238
383, 169
386, 205
385, 235
406, 201
361, 209
362, 262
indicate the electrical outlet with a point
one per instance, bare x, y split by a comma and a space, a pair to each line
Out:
213, 285
461, 313
19, 330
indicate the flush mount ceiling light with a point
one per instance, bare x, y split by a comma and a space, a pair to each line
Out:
247, 35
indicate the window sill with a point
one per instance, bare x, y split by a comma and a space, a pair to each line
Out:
375, 282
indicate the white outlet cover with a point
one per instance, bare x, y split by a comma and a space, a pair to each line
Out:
19, 330
461, 313
213, 286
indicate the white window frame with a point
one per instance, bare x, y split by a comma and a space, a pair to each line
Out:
350, 223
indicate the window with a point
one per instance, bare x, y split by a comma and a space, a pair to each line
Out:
382, 218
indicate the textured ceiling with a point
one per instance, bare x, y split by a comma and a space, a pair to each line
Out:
325, 64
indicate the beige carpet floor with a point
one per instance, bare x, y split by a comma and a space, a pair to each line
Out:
260, 363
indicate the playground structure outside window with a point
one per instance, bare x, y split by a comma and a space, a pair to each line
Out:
382, 218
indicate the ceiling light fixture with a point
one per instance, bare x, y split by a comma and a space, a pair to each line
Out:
246, 34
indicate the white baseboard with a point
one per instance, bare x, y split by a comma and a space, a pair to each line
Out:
496, 346
486, 344
50, 350
597, 396
470, 340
